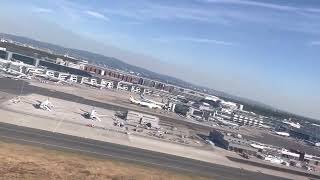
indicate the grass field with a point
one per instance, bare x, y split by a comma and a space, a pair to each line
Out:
28, 162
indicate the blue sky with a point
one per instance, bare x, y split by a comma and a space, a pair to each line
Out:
264, 50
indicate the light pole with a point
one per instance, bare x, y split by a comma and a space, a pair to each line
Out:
22, 86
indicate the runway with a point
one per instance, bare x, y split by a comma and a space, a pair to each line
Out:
106, 150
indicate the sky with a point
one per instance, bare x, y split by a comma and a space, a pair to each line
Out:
262, 50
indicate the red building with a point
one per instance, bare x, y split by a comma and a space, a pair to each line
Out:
112, 74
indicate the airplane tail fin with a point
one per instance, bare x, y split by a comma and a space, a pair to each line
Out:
141, 96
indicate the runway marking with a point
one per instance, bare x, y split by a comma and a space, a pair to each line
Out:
92, 152
58, 124
123, 150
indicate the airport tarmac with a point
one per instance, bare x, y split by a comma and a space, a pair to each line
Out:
68, 127
71, 112
74, 95
66, 118
68, 93
109, 150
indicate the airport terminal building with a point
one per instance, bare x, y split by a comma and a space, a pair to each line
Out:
46, 63
232, 143
310, 132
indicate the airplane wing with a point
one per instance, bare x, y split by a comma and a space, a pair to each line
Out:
47, 108
104, 115
83, 110
98, 118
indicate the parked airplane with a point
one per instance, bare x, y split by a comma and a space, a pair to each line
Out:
3, 69
292, 124
95, 85
152, 101
24, 77
16, 74
46, 105
52, 78
258, 146
93, 115
227, 123
144, 104
284, 134
317, 144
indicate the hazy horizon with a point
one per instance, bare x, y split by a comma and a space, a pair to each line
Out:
268, 54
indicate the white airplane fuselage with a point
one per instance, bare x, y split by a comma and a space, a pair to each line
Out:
227, 123
94, 85
17, 74
284, 134
144, 104
152, 101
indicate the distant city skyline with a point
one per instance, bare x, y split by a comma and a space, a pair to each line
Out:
262, 50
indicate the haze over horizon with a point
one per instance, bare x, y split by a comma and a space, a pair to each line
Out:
262, 50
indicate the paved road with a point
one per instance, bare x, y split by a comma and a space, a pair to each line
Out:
108, 150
